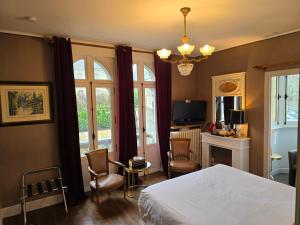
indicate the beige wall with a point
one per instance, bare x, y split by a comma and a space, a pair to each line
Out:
183, 87
33, 146
23, 148
30, 59
243, 58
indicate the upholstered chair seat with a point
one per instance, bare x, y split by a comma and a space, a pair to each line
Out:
182, 166
101, 179
108, 182
179, 157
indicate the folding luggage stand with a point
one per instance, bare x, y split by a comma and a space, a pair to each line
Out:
41, 188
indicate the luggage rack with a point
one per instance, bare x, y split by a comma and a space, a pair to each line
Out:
42, 187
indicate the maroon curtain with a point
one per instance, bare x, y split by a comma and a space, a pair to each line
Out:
163, 76
67, 119
126, 119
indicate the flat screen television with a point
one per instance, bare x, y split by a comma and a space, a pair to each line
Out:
188, 112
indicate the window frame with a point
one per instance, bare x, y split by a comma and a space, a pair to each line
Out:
89, 109
91, 84
281, 108
113, 118
141, 84
291, 123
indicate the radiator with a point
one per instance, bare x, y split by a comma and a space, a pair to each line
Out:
195, 137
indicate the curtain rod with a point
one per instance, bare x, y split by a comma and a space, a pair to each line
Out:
270, 66
108, 47
49, 38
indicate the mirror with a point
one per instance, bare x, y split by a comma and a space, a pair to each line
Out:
223, 104
228, 92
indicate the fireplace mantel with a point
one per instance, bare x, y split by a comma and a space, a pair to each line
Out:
238, 146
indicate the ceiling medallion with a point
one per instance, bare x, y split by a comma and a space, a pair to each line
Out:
186, 65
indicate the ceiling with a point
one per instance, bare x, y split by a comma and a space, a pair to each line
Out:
155, 23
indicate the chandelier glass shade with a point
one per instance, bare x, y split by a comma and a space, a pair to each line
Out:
164, 53
186, 65
186, 49
207, 50
185, 69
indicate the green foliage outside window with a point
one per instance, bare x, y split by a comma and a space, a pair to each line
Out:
82, 118
103, 117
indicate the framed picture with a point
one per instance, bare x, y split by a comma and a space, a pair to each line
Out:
25, 103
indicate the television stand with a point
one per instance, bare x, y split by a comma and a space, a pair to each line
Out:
185, 127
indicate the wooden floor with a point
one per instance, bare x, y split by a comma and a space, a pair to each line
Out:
282, 178
114, 210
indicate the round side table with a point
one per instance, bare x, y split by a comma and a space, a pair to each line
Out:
131, 177
274, 156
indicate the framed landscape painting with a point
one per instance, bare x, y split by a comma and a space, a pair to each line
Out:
25, 103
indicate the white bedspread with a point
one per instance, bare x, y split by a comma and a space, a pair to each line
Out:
218, 195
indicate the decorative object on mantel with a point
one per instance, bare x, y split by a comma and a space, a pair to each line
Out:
224, 133
185, 66
237, 117
25, 103
242, 129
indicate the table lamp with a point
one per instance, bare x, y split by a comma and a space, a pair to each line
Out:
237, 117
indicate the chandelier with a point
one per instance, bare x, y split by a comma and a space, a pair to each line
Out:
186, 65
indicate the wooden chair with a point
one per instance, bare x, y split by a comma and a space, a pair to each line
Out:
101, 179
180, 157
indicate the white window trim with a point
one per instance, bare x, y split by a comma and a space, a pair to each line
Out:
267, 117
91, 83
280, 116
141, 85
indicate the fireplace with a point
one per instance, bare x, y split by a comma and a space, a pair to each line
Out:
220, 156
225, 150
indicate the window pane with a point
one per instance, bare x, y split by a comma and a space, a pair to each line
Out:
100, 73
273, 99
136, 113
79, 69
150, 111
293, 98
134, 71
103, 113
82, 113
148, 74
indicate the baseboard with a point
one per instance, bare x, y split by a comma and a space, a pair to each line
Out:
279, 170
31, 205
154, 170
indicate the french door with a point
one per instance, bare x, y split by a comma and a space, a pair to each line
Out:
103, 112
145, 115
95, 105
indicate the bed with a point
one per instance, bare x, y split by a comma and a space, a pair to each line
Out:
219, 195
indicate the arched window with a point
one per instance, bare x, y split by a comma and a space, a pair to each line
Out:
100, 73
145, 106
94, 96
79, 70
148, 74
134, 71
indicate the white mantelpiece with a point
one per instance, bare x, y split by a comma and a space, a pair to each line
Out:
238, 146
